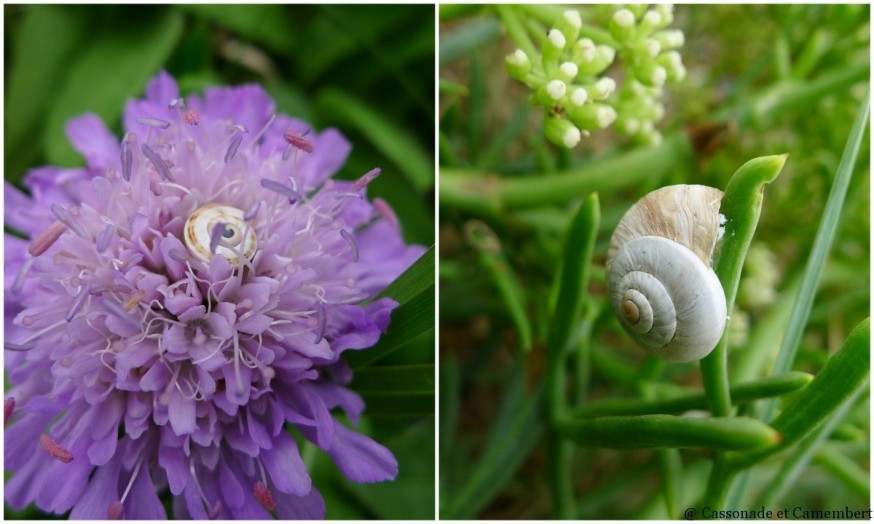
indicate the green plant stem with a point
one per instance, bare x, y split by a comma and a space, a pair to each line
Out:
574, 277
757, 389
516, 31
741, 205
849, 472
488, 194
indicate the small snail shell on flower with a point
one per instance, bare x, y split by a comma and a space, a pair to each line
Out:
660, 281
238, 236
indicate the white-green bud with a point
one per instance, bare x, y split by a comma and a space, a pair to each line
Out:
583, 51
591, 116
567, 71
569, 24
579, 96
650, 74
622, 25
518, 64
670, 38
673, 64
601, 89
652, 47
561, 132
651, 20
627, 126
667, 13
604, 56
551, 92
553, 46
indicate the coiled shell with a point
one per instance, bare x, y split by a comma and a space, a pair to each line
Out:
659, 278
239, 237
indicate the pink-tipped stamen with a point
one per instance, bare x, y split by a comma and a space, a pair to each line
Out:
367, 178
216, 510
64, 215
264, 496
298, 140
115, 511
55, 450
8, 408
100, 290
283, 190
232, 149
44, 240
191, 117
77, 303
158, 162
117, 310
385, 211
153, 122
347, 236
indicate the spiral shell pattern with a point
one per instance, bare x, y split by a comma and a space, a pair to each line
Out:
659, 278
238, 236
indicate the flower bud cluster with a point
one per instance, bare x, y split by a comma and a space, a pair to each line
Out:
568, 80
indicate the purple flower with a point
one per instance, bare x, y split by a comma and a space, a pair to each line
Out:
178, 316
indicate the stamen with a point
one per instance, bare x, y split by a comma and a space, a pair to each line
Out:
352, 243
298, 140
105, 237
127, 158
130, 483
67, 218
191, 117
131, 303
264, 496
238, 127
12, 346
348, 194
153, 122
385, 211
55, 450
157, 161
252, 211
115, 511
77, 303
237, 376
321, 320
22, 274
283, 190
216, 510
99, 290
263, 129
116, 309
232, 149
177, 103
8, 408
348, 299
366, 179
44, 240
218, 231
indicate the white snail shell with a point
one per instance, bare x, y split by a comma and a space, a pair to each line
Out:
239, 237
660, 281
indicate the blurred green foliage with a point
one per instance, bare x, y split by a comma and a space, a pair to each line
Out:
367, 70
763, 80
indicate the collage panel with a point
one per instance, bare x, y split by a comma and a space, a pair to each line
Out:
654, 261
219, 262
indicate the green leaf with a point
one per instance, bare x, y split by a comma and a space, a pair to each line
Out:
385, 135
668, 431
416, 378
415, 280
844, 374
114, 66
467, 37
36, 68
266, 24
